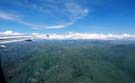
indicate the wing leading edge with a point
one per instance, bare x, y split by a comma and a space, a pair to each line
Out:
10, 39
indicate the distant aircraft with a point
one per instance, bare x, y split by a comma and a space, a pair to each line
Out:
9, 39
47, 35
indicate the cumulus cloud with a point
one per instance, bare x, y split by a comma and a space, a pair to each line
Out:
72, 35
9, 32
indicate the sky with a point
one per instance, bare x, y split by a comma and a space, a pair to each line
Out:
67, 16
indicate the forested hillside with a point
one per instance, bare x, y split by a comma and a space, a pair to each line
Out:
69, 62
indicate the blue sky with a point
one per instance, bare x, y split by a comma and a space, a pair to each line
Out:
63, 16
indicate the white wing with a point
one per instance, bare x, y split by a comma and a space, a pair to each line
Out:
9, 39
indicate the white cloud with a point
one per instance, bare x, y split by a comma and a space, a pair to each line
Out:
70, 10
76, 11
52, 26
72, 35
33, 26
6, 16
9, 32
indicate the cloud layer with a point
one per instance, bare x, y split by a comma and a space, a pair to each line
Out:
72, 35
